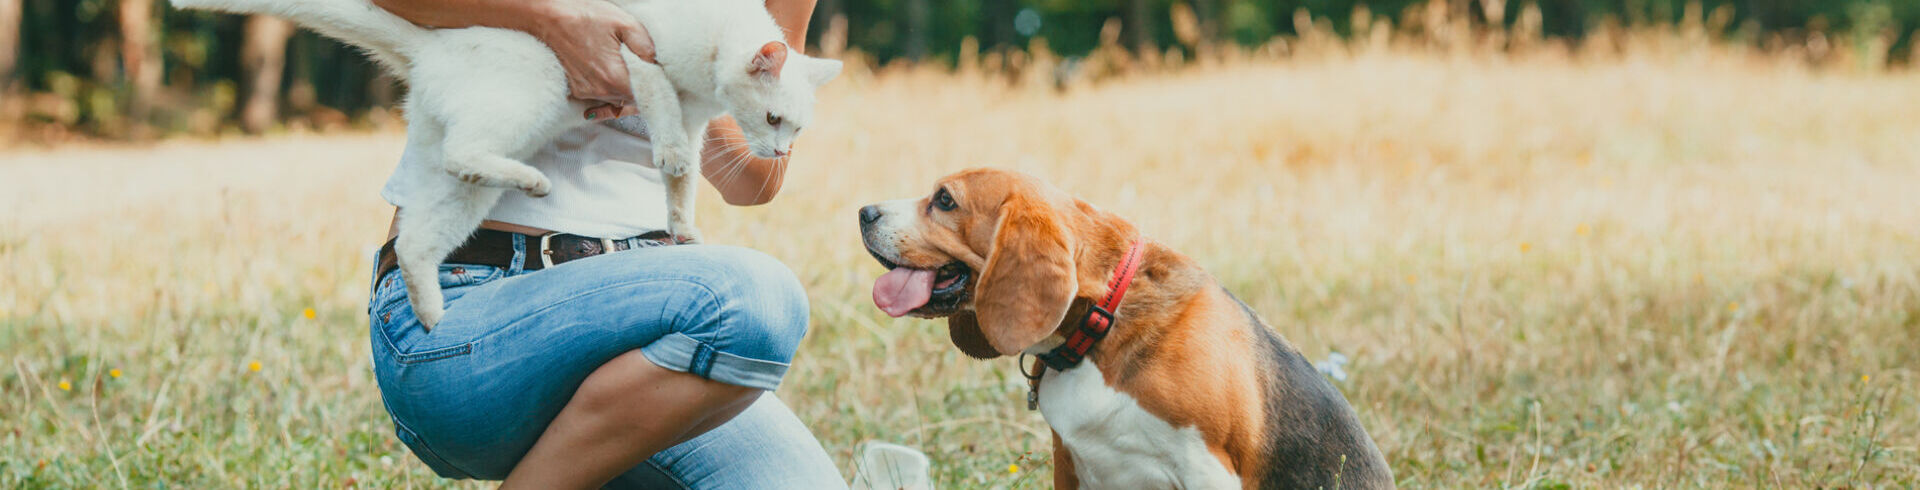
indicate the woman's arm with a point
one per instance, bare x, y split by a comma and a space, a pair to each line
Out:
744, 179
584, 34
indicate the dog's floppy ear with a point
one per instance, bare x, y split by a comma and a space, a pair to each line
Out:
1029, 282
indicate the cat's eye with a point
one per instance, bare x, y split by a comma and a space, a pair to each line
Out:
773, 120
944, 201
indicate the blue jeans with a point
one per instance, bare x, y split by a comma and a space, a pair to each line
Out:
471, 396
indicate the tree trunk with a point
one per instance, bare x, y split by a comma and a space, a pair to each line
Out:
1209, 13
140, 57
1140, 27
9, 42
263, 58
823, 12
998, 16
913, 37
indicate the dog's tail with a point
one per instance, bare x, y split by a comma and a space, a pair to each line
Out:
381, 34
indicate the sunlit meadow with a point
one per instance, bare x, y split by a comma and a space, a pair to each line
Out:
1683, 266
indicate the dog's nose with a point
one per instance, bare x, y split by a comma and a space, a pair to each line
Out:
869, 214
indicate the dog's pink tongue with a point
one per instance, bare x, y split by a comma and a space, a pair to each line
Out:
901, 290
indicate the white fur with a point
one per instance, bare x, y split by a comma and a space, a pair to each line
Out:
1117, 444
896, 225
484, 99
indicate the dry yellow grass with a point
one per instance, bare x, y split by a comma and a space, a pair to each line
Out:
1696, 269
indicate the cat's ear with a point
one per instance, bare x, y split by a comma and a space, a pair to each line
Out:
822, 70
767, 63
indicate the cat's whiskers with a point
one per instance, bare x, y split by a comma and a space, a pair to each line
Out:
727, 171
779, 168
736, 166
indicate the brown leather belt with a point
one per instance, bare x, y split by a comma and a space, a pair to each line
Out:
495, 248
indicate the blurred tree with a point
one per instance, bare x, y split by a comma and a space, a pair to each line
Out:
139, 60
1208, 12
9, 43
115, 67
263, 57
1139, 26
996, 21
913, 31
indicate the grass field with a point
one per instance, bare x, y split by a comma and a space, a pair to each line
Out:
1692, 269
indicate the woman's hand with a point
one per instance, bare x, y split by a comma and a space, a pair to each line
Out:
587, 36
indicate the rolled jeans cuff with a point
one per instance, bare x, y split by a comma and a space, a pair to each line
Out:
679, 352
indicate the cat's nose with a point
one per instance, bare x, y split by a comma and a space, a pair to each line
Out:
869, 214
781, 153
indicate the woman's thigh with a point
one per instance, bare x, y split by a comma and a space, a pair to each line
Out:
765, 446
471, 396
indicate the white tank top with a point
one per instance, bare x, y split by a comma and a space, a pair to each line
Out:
604, 184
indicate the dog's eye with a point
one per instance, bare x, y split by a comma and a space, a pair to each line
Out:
773, 120
944, 201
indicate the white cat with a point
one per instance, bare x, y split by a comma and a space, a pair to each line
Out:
492, 97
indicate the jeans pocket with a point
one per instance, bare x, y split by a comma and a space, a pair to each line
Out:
393, 318
463, 275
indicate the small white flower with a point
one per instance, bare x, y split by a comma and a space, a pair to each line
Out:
1333, 367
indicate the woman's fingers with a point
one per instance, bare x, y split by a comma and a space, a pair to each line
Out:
604, 112
587, 37
639, 41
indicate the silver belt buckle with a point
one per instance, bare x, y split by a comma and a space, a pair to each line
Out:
546, 251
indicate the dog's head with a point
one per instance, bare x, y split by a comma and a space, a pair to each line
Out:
993, 251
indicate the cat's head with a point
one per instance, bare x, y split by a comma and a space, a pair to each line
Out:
772, 96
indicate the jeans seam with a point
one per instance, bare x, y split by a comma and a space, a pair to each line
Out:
434, 355
664, 471
428, 447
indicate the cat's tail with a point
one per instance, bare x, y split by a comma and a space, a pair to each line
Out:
381, 34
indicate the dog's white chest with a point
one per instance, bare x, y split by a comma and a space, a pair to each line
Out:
1117, 444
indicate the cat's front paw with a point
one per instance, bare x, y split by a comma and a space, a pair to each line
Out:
686, 235
675, 160
681, 227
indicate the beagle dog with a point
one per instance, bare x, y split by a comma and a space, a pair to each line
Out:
1151, 375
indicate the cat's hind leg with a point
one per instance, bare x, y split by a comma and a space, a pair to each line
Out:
429, 230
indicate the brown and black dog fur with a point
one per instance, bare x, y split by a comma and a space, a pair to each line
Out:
1182, 347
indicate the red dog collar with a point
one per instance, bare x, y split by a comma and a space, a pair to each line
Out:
1091, 328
